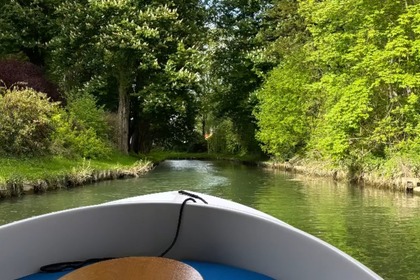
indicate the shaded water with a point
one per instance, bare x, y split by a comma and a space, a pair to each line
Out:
379, 228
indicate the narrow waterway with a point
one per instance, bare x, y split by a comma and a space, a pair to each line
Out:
379, 228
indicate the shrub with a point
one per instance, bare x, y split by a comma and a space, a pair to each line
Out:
26, 125
72, 141
82, 108
82, 129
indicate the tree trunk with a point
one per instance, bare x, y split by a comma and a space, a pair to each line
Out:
123, 117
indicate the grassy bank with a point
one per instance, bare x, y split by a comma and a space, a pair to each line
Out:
36, 175
18, 176
382, 176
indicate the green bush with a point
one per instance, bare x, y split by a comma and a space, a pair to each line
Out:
70, 141
83, 110
82, 129
26, 125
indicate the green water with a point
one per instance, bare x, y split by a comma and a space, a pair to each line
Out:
379, 228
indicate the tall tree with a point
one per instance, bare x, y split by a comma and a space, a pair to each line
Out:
123, 39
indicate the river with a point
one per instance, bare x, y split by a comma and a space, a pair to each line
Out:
377, 227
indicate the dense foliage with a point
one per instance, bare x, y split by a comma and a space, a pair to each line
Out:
82, 129
32, 125
330, 80
285, 105
357, 80
141, 46
26, 122
130, 54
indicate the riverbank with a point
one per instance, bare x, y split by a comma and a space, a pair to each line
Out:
23, 176
396, 178
37, 175
396, 182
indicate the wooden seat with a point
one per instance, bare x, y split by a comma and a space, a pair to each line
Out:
145, 268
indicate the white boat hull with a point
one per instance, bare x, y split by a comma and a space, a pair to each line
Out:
220, 232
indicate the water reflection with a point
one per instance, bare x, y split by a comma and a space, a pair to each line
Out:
377, 227
380, 228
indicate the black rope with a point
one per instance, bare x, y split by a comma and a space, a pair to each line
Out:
178, 226
192, 195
